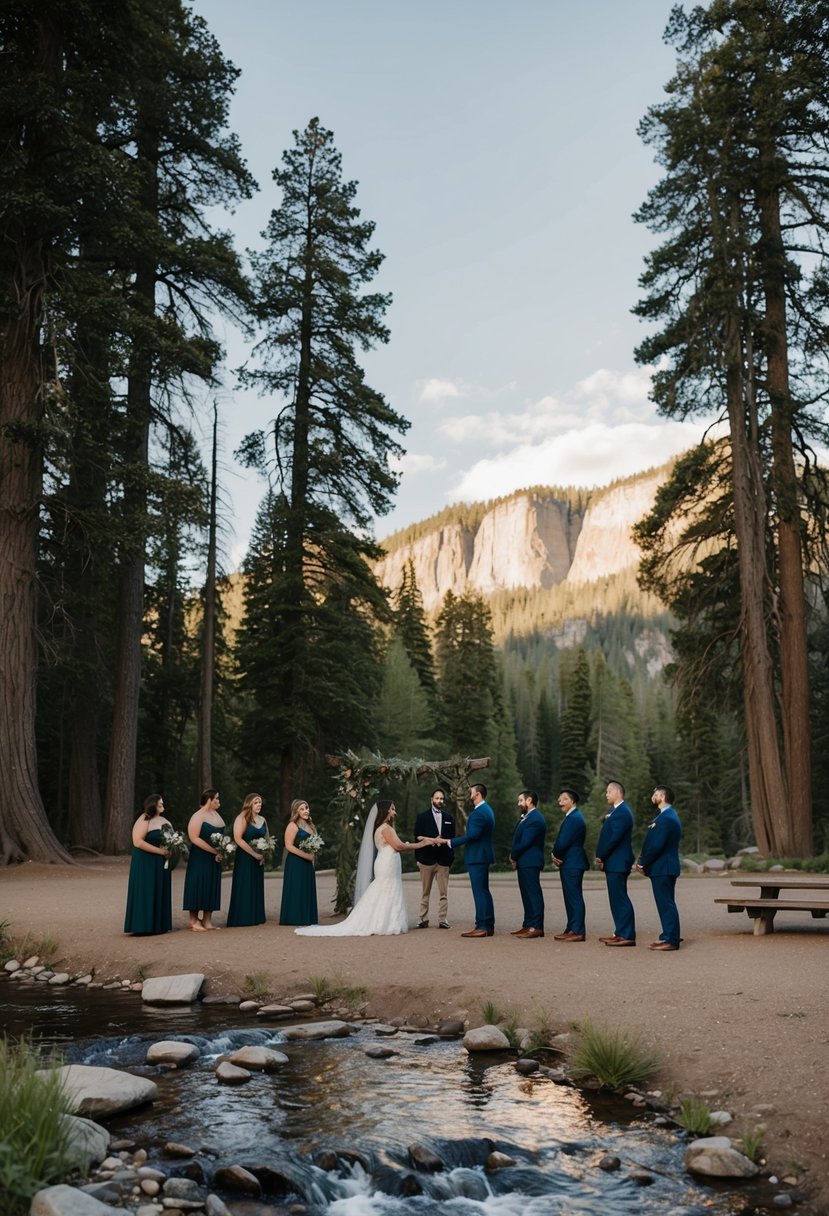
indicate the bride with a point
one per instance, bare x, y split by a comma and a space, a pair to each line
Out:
378, 905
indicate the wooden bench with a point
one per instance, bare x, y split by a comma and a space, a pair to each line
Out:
772, 899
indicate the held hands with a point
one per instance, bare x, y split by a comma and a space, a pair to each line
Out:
599, 863
557, 862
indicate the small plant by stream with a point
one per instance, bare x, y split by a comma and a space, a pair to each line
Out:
33, 1134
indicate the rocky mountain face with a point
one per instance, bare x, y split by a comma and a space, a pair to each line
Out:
530, 540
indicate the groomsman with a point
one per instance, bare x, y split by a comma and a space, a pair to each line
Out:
570, 858
614, 855
480, 827
434, 860
527, 858
659, 860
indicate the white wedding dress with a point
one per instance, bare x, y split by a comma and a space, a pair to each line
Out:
381, 910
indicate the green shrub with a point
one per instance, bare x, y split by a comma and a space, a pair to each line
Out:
33, 1137
751, 1143
491, 1013
614, 1057
695, 1116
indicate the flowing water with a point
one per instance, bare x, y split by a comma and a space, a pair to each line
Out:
331, 1096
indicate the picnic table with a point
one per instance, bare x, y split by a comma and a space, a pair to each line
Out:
775, 897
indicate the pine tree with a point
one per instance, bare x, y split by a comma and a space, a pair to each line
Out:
327, 453
575, 720
411, 626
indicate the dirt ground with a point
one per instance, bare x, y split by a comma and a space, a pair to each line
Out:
740, 1015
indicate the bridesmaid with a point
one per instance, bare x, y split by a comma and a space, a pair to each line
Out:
299, 884
247, 895
203, 881
149, 898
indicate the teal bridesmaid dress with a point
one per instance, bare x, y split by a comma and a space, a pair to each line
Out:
299, 889
203, 880
149, 893
247, 895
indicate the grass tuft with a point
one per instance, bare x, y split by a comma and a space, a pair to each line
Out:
328, 989
615, 1058
491, 1013
752, 1143
695, 1116
256, 985
33, 1135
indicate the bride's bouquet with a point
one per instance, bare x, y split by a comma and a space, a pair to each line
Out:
265, 845
312, 843
176, 844
225, 846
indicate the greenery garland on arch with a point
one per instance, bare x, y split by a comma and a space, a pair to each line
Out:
360, 780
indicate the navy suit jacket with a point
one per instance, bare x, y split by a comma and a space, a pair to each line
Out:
528, 840
434, 855
478, 836
569, 845
613, 847
660, 848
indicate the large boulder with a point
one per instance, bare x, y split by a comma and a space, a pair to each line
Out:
716, 1157
172, 989
317, 1030
486, 1038
69, 1201
98, 1092
87, 1142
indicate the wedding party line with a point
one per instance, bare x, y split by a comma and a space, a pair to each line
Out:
378, 905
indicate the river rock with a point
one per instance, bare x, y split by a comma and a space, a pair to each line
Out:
229, 1074
105, 1192
300, 1005
716, 1157
99, 1092
150, 1187
641, 1177
83, 979
380, 1053
87, 1142
171, 1051
259, 1059
689, 866
272, 1181
275, 1011
69, 1201
317, 1030
172, 989
31, 961
383, 1030
498, 1161
173, 1149
609, 1164
720, 1118
486, 1038
713, 865
229, 998
215, 1207
409, 1185
526, 1066
181, 1188
422, 1158
235, 1178
60, 977
451, 1027
249, 1007
12, 965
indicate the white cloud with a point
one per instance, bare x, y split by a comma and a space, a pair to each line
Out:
590, 456
418, 462
441, 390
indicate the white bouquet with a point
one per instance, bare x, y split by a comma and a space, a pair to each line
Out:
225, 846
265, 845
176, 844
312, 843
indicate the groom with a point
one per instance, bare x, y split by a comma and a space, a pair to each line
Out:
479, 857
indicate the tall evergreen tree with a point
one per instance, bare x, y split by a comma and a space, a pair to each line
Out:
411, 625
575, 720
327, 453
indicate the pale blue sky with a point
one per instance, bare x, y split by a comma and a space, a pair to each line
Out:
495, 148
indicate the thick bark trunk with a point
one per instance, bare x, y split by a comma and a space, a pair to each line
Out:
791, 603
24, 827
208, 659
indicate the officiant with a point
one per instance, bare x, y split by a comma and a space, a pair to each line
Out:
434, 861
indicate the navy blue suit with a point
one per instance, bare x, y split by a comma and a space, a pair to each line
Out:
479, 856
527, 851
660, 861
615, 851
569, 850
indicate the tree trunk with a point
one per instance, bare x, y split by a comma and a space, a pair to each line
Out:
208, 660
791, 604
24, 828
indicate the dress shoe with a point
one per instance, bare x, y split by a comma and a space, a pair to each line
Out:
478, 933
532, 933
571, 937
662, 946
622, 941
522, 932
444, 925
606, 940
423, 924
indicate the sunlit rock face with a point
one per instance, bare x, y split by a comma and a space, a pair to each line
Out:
605, 544
533, 540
